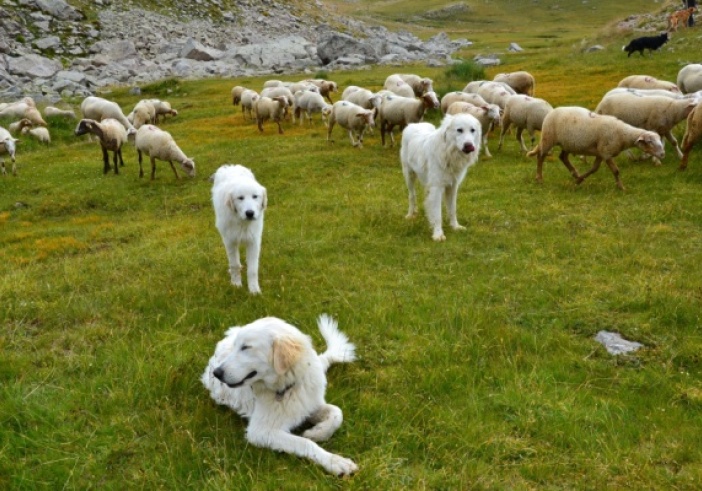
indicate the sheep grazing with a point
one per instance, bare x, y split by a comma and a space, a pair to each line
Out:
7, 146
401, 111
418, 84
655, 113
274, 109
693, 134
525, 113
488, 116
397, 86
18, 126
452, 97
644, 92
647, 82
275, 83
303, 85
51, 111
97, 109
690, 78
309, 102
362, 97
580, 131
522, 82
159, 144
40, 133
112, 136
353, 118
496, 93
237, 90
143, 113
248, 98
24, 108
163, 108
326, 87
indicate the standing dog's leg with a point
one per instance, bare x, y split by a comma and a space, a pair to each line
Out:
432, 205
253, 251
450, 196
234, 261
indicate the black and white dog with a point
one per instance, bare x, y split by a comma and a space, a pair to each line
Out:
651, 43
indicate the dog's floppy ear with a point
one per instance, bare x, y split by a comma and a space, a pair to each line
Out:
286, 352
230, 202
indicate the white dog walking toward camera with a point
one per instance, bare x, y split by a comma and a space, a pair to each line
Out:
239, 203
269, 373
439, 158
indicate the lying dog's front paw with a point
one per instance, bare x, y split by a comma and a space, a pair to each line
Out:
341, 466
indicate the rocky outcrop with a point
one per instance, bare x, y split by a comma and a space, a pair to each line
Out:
50, 49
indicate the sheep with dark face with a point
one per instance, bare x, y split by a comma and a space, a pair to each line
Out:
111, 134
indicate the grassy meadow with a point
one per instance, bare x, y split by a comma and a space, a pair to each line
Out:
477, 365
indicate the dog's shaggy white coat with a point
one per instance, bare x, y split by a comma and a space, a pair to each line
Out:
439, 158
269, 373
239, 202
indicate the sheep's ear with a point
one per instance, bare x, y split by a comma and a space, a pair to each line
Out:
286, 352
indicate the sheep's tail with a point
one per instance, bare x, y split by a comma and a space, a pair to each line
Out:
339, 349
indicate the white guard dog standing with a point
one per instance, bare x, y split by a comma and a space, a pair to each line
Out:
268, 372
439, 158
239, 203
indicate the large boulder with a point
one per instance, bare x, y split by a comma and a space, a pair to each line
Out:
332, 45
33, 66
115, 50
192, 50
59, 9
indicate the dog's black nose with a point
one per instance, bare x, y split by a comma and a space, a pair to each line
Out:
249, 214
219, 373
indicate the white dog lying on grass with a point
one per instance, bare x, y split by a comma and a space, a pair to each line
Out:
268, 372
439, 158
239, 203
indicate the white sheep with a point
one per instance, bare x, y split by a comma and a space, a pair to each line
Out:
303, 85
143, 113
309, 102
24, 108
163, 108
248, 98
644, 92
40, 133
275, 83
353, 118
50, 111
458, 96
690, 78
112, 137
401, 111
488, 116
97, 108
496, 93
647, 82
237, 90
396, 85
419, 85
362, 97
159, 144
7, 146
655, 113
18, 126
522, 82
273, 92
580, 131
475, 86
525, 113
326, 87
266, 108
693, 134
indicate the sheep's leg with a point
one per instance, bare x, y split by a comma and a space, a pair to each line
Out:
595, 167
14, 168
520, 139
564, 158
503, 132
2, 165
669, 136
353, 142
486, 150
450, 196
105, 161
687, 145
615, 171
432, 205
260, 124
153, 168
115, 160
383, 130
253, 250
280, 128
392, 137
121, 160
141, 169
330, 127
234, 262
174, 169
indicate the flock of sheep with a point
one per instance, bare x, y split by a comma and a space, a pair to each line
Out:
639, 112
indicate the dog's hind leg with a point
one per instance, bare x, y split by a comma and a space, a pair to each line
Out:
326, 421
410, 178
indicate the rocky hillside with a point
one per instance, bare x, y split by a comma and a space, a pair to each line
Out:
53, 49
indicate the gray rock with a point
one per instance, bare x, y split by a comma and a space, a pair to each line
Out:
51, 42
33, 66
59, 9
515, 48
71, 75
194, 50
333, 45
114, 50
615, 344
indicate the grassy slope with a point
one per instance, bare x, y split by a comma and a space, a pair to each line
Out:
478, 369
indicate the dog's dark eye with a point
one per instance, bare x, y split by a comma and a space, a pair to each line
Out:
255, 196
240, 198
460, 130
245, 347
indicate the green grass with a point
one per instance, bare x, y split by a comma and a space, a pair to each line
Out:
477, 369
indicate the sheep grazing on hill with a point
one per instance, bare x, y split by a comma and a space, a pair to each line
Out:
488, 116
237, 90
326, 87
401, 111
39, 133
647, 82
51, 111
457, 96
143, 113
248, 98
690, 78
18, 126
353, 118
525, 113
163, 109
309, 102
24, 108
655, 113
7, 146
580, 131
159, 144
522, 82
693, 134
362, 97
266, 108
112, 136
419, 85
97, 109
397, 86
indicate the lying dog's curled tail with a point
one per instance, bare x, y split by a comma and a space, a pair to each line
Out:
339, 349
